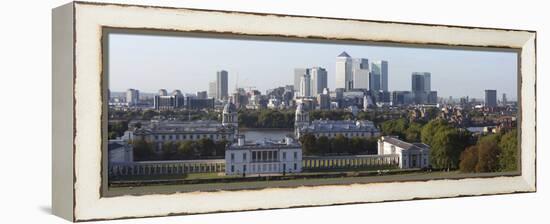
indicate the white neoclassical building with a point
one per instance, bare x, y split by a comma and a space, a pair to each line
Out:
411, 155
161, 131
332, 128
264, 157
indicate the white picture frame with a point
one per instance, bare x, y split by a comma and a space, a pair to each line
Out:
78, 109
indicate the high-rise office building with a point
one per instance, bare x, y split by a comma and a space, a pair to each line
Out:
298, 73
221, 85
504, 99
318, 80
344, 71
360, 73
132, 97
379, 74
305, 85
421, 87
490, 98
212, 86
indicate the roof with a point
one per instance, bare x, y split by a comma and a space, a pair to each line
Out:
344, 54
404, 145
264, 144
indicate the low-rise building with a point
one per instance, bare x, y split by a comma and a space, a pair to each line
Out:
332, 128
264, 157
411, 155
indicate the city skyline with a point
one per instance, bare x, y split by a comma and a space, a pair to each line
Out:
251, 65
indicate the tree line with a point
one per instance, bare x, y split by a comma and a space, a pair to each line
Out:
338, 145
181, 150
492, 153
266, 118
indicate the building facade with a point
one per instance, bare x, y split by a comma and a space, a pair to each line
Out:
332, 128
344, 77
265, 157
380, 69
319, 80
490, 98
222, 91
132, 97
411, 155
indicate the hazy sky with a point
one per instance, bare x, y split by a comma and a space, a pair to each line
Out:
149, 63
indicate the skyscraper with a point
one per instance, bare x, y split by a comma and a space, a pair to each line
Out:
360, 73
421, 87
221, 85
212, 87
490, 98
132, 97
361, 79
344, 77
379, 71
305, 85
318, 80
298, 73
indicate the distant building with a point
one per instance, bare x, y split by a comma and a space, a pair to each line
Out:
344, 71
212, 88
399, 98
305, 85
193, 103
380, 69
298, 74
164, 102
202, 95
163, 92
432, 97
324, 101
361, 79
222, 85
318, 81
230, 116
411, 155
420, 86
490, 98
265, 157
132, 97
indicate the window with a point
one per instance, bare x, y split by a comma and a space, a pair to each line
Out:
232, 156
253, 157
295, 166
275, 155
244, 168
244, 156
284, 155
295, 155
232, 168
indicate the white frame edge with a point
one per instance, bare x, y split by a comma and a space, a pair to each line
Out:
90, 18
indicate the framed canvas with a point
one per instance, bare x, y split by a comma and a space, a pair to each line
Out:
170, 111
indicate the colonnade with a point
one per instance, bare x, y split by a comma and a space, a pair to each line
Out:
164, 168
362, 161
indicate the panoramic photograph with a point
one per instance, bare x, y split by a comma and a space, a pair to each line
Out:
205, 113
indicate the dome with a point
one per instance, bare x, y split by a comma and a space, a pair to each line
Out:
229, 108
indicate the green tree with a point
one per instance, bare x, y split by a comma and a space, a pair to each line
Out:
395, 127
488, 153
413, 132
323, 145
508, 160
339, 144
308, 144
143, 150
186, 150
468, 159
206, 147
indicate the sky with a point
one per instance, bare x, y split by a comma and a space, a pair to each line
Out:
151, 62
